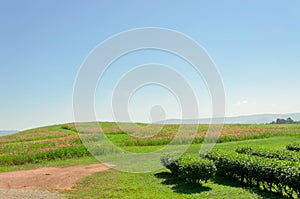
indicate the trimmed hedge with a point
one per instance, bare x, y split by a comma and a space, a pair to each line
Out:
191, 168
269, 153
279, 176
170, 161
194, 169
293, 147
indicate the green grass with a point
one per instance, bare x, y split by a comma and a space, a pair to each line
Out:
158, 184
161, 184
149, 137
63, 141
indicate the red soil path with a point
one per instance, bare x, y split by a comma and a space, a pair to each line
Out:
50, 178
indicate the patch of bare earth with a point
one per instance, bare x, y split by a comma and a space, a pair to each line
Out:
28, 194
35, 183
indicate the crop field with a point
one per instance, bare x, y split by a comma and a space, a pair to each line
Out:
63, 141
249, 161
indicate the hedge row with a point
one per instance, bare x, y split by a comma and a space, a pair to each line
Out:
273, 175
269, 153
293, 147
61, 153
191, 168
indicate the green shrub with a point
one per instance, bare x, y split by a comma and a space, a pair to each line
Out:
293, 147
170, 161
195, 169
280, 176
60, 153
191, 168
270, 153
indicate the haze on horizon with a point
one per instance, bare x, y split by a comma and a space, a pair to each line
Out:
255, 46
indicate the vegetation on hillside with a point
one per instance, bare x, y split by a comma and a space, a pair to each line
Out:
163, 184
285, 121
259, 147
274, 171
63, 141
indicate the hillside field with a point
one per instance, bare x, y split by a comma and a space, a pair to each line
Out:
60, 145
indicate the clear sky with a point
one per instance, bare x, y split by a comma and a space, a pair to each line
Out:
255, 45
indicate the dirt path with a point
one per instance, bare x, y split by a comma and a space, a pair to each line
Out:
34, 183
28, 194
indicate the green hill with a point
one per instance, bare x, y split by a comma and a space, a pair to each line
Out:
63, 141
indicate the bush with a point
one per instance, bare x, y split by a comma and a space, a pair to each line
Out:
60, 153
170, 161
293, 147
270, 153
194, 169
273, 175
191, 168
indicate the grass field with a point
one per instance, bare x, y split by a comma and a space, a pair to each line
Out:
161, 184
60, 145
63, 141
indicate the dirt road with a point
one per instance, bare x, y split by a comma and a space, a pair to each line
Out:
35, 183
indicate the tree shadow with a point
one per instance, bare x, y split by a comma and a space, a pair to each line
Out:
180, 185
263, 193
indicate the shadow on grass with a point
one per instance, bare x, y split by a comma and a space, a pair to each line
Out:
180, 185
255, 190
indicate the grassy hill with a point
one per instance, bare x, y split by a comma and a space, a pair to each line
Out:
61, 145
63, 141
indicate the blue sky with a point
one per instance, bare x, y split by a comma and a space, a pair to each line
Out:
255, 45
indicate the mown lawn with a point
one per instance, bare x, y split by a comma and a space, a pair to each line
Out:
161, 184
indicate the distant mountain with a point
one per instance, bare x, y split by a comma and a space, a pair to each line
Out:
2, 133
244, 119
